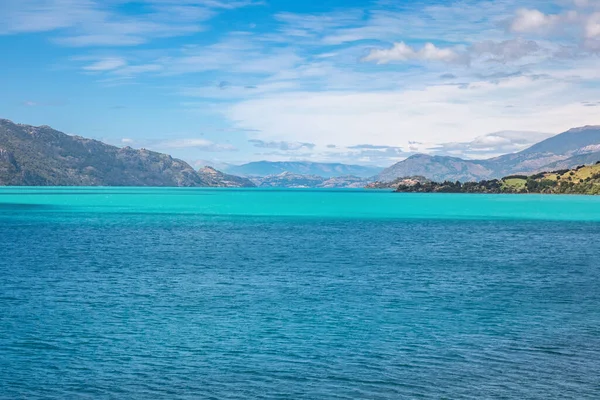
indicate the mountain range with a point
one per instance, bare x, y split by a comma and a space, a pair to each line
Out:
42, 156
290, 180
326, 170
564, 151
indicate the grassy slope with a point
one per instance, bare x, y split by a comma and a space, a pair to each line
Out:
576, 175
583, 180
514, 183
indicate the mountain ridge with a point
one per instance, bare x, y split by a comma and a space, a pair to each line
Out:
43, 156
297, 181
567, 150
325, 170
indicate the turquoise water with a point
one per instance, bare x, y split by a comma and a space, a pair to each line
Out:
213, 293
348, 203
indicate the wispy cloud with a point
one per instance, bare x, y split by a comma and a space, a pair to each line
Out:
492, 144
54, 103
580, 24
434, 115
284, 146
533, 21
374, 147
199, 144
403, 52
85, 23
434, 76
106, 64
485, 51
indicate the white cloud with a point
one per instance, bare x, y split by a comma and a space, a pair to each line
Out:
284, 146
574, 25
492, 144
403, 52
533, 21
86, 23
489, 50
235, 55
578, 30
106, 64
225, 4
592, 28
133, 70
54, 103
455, 21
505, 51
19, 16
474, 64
200, 144
435, 115
311, 26
122, 32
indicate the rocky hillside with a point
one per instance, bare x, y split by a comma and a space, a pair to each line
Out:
218, 178
42, 156
566, 150
582, 159
437, 168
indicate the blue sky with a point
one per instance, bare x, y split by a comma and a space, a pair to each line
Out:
366, 82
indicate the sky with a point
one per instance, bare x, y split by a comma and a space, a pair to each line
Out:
357, 81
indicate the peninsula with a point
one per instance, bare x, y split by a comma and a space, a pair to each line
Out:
584, 180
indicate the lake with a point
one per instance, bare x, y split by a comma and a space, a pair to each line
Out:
309, 294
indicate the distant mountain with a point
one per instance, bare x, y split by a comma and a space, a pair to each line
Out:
327, 170
437, 168
218, 178
566, 150
570, 142
289, 180
572, 162
543, 155
219, 166
42, 156
348, 182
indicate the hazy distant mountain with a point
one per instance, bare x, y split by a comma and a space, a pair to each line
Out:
543, 155
566, 150
289, 180
438, 168
218, 178
573, 162
219, 166
42, 156
327, 170
352, 182
570, 142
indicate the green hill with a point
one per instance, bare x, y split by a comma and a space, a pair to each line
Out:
581, 180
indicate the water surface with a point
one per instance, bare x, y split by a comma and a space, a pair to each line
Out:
209, 293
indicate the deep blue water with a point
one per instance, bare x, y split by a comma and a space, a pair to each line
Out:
139, 299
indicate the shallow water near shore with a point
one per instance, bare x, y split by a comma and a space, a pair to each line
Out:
225, 293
